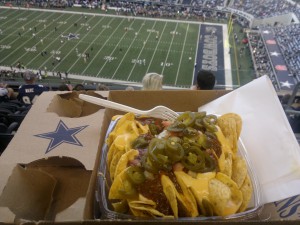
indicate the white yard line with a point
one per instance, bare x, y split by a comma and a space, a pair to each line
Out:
12, 26
198, 40
107, 40
160, 36
117, 45
58, 38
166, 60
140, 50
13, 36
85, 49
182, 53
19, 47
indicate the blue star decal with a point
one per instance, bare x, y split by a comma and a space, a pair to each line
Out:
61, 135
71, 36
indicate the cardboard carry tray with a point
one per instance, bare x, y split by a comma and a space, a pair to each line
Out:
45, 184
47, 167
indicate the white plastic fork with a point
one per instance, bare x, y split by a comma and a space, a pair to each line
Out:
160, 111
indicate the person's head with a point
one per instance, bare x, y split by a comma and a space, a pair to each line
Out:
78, 87
29, 77
129, 88
205, 80
152, 81
63, 87
102, 87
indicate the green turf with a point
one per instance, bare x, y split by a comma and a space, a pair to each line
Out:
119, 48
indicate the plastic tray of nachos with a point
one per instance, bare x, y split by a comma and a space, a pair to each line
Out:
195, 168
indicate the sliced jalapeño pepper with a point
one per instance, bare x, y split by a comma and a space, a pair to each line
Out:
140, 142
198, 161
157, 154
174, 150
187, 118
176, 127
135, 174
190, 132
210, 123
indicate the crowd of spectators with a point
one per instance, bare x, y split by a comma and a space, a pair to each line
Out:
265, 8
288, 38
261, 62
198, 11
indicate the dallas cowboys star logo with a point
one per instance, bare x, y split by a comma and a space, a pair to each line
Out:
61, 135
286, 84
274, 53
71, 36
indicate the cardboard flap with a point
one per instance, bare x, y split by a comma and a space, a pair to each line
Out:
72, 213
56, 161
69, 105
72, 184
28, 193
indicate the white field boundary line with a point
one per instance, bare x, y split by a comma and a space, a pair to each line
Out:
140, 50
164, 66
227, 59
183, 46
64, 41
156, 47
11, 34
196, 54
117, 45
21, 46
104, 45
80, 42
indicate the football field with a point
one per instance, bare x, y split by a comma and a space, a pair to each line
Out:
113, 47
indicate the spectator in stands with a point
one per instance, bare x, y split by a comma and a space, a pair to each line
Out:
78, 87
6, 93
152, 81
102, 87
205, 81
29, 91
63, 87
129, 88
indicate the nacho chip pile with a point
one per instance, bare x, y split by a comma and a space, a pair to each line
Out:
188, 168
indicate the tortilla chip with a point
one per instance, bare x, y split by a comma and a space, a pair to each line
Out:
125, 118
239, 170
170, 192
207, 207
247, 190
114, 162
123, 161
121, 206
121, 187
225, 196
227, 165
197, 186
145, 211
226, 149
231, 125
